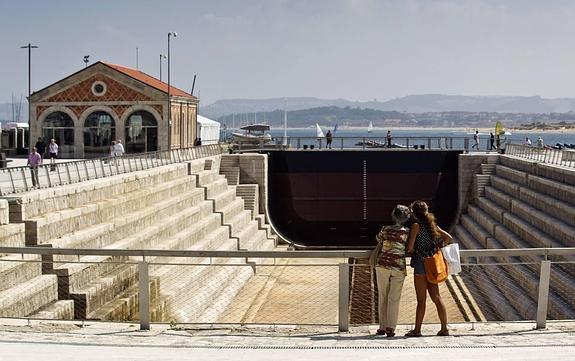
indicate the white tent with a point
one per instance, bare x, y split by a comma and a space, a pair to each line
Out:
208, 130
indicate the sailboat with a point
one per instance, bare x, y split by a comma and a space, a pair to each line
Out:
319, 132
370, 127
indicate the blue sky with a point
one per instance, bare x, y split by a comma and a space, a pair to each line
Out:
353, 49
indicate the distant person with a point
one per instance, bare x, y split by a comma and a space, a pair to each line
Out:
198, 142
540, 143
527, 141
425, 237
34, 160
388, 138
476, 140
328, 138
498, 141
53, 153
491, 141
112, 149
390, 269
119, 148
41, 146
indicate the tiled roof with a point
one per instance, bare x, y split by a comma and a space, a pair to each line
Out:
149, 80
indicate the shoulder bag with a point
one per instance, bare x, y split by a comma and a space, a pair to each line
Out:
435, 268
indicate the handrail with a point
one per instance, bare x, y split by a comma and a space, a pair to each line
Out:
544, 154
511, 252
367, 142
20, 179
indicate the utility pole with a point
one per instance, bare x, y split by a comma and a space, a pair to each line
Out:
29, 47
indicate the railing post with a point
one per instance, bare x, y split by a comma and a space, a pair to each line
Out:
343, 300
543, 299
144, 295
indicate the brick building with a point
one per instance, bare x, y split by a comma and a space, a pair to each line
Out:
85, 111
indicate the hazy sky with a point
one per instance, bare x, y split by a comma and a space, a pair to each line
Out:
353, 49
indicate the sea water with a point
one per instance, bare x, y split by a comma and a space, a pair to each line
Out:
351, 136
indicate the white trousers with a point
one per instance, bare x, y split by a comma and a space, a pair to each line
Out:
389, 285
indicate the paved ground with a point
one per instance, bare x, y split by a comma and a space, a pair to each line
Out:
113, 341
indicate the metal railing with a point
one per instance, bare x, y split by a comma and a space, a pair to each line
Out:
364, 143
564, 157
22, 179
360, 143
144, 258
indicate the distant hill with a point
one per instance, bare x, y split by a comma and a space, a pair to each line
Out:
425, 103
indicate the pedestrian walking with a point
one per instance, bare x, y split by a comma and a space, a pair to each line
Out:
34, 160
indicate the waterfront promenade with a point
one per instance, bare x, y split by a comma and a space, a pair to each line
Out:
58, 340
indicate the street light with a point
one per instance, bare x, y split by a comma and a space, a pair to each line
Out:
162, 56
170, 34
29, 47
86, 60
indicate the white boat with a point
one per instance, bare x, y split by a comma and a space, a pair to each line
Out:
254, 133
319, 131
370, 127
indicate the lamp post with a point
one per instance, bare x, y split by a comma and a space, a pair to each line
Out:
29, 47
162, 56
170, 34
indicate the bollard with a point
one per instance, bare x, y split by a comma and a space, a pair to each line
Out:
144, 295
343, 301
543, 299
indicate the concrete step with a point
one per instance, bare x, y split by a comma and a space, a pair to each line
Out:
543, 185
12, 235
44, 201
483, 239
57, 310
554, 228
232, 175
78, 275
493, 209
27, 297
231, 210
560, 174
488, 168
224, 199
549, 205
58, 223
494, 305
505, 185
103, 290
215, 187
125, 306
104, 234
465, 239
240, 223
514, 175
532, 235
16, 269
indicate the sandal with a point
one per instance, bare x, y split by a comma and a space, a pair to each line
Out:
443, 332
413, 333
380, 331
389, 332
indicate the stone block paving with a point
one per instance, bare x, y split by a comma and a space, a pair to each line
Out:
62, 340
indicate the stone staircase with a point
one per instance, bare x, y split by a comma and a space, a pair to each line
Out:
181, 206
24, 290
230, 168
520, 204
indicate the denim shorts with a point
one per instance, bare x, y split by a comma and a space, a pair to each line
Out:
417, 264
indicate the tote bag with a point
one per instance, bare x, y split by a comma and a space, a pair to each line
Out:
435, 268
451, 255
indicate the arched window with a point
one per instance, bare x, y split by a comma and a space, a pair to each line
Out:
99, 131
141, 132
60, 127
